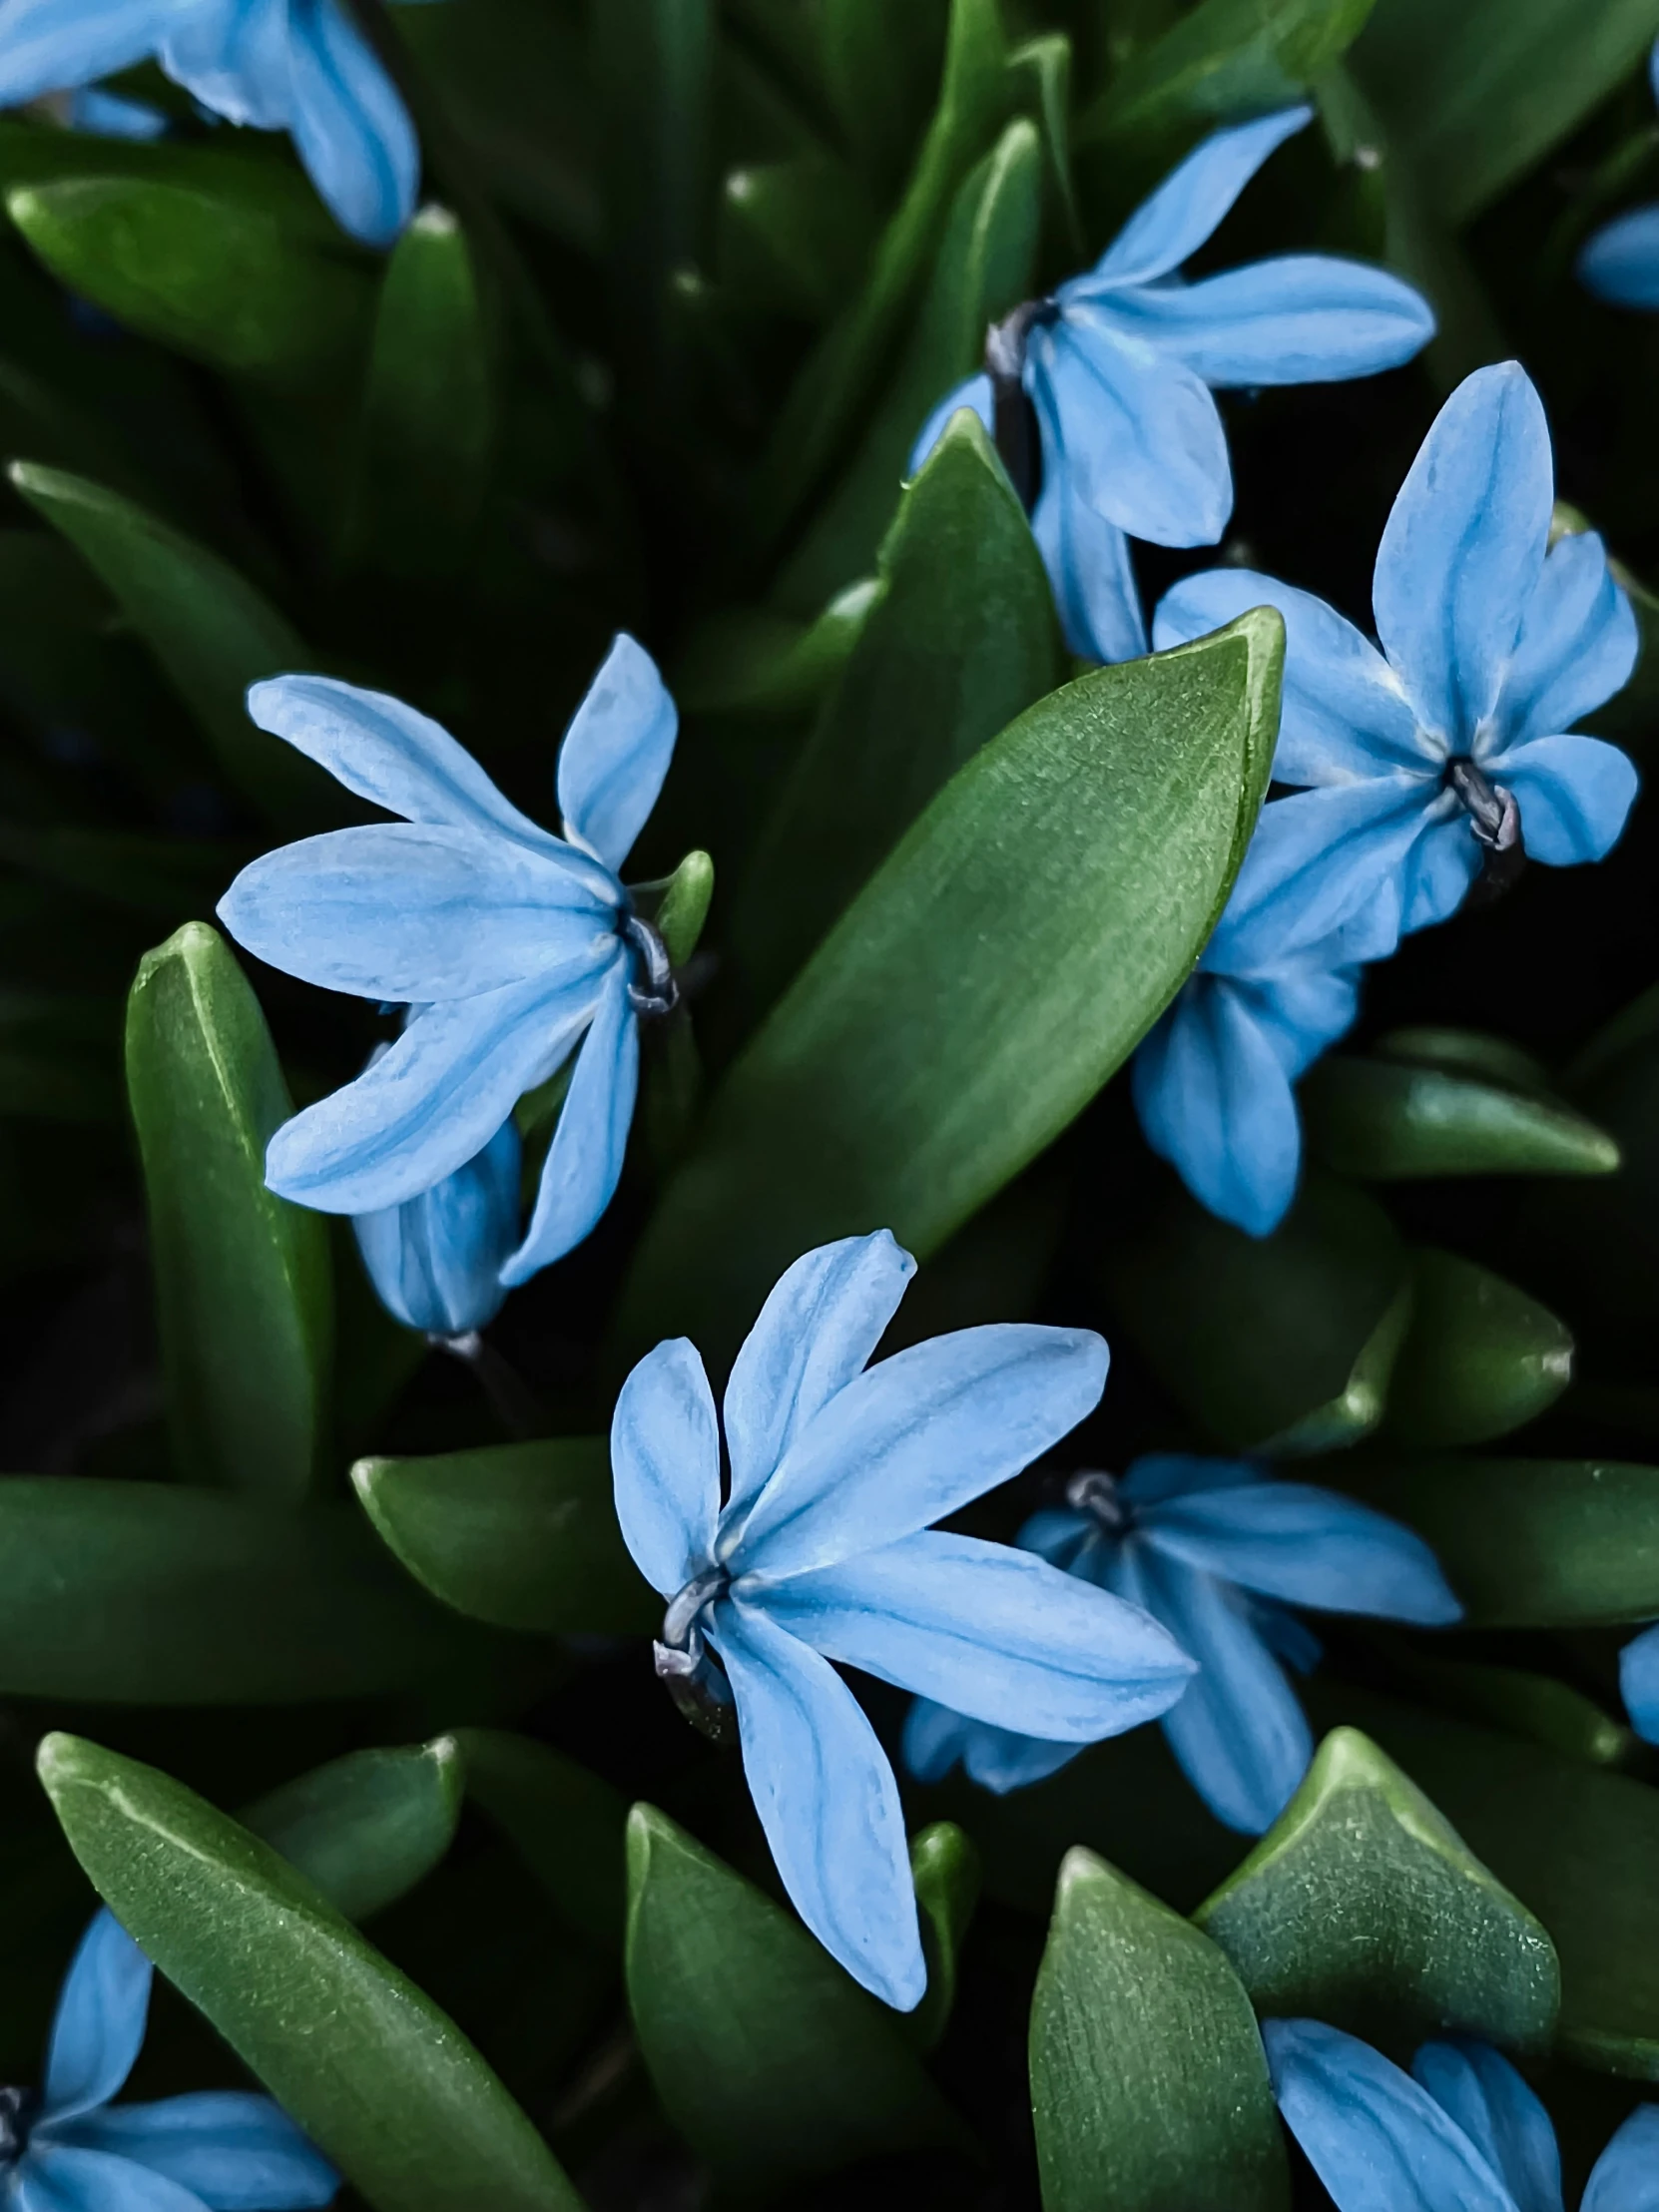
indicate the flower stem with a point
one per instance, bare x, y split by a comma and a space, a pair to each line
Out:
514, 1403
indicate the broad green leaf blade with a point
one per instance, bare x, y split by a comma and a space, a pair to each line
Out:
374, 2072
565, 1823
1001, 964
1537, 1706
210, 631
769, 2059
685, 907
750, 661
367, 1827
1398, 1117
879, 68
945, 1866
144, 1593
1480, 1357
521, 1535
209, 274
962, 640
1046, 64
243, 1294
1363, 1907
1275, 1344
794, 235
1149, 2084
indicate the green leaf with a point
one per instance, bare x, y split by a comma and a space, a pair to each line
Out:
1046, 66
1537, 1706
381, 2081
685, 906
243, 1294
769, 2059
982, 986
1273, 1344
209, 274
794, 235
945, 1865
879, 66
750, 661
1149, 2084
366, 1828
962, 640
985, 265
566, 1824
1364, 1907
144, 1593
521, 1535
211, 632
1480, 1357
1477, 96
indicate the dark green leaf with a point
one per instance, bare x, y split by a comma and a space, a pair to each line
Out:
1364, 1907
566, 1824
1537, 1706
685, 906
945, 1866
243, 1294
879, 67
1045, 65
368, 1827
750, 661
794, 235
1149, 2084
367, 2066
519, 1535
992, 975
1479, 1358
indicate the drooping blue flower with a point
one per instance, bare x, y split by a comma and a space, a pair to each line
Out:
1620, 262
74, 2151
1216, 1550
823, 1550
512, 948
435, 1261
1120, 364
1461, 2132
1639, 1683
299, 66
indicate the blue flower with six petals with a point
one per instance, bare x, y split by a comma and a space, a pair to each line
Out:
1620, 262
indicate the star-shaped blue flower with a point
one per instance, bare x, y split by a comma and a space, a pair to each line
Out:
74, 2151
1120, 363
435, 1261
822, 1550
1620, 262
1639, 1683
299, 66
1214, 1549
1461, 2132
512, 948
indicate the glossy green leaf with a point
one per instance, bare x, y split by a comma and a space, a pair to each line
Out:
32, 152
366, 1828
1480, 1357
794, 235
880, 67
1425, 1107
243, 1294
1537, 1706
1275, 1344
1149, 2084
769, 2059
519, 1535
962, 640
374, 2072
754, 662
995, 971
1364, 1907
945, 1865
1046, 64
211, 275
209, 630
566, 1824
685, 906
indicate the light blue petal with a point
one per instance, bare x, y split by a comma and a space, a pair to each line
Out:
1377, 2141
432, 1103
616, 753
913, 1438
995, 1634
109, 115
974, 395
1620, 262
1302, 318
235, 59
1574, 793
409, 913
1499, 2113
1237, 1735
1625, 2178
1166, 1475
1639, 1683
1057, 1533
664, 1464
1463, 548
1138, 433
1343, 714
1323, 859
819, 1327
236, 2151
98, 2030
827, 1802
350, 127
1309, 1546
1177, 219
584, 1162
1577, 643
1303, 1007
935, 1740
1087, 558
1436, 872
1286, 1637
1215, 1101
55, 2178
54, 44
435, 1260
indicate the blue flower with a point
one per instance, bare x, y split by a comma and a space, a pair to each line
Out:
436, 1260
112, 115
822, 1550
71, 2150
1466, 2134
511, 947
299, 66
1620, 262
1119, 367
1639, 1683
1450, 743
1214, 1549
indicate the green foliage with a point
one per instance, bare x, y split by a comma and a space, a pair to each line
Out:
366, 1828
1480, 1357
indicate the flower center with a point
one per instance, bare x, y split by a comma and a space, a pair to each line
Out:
694, 1678
656, 991
1494, 820
1093, 1493
1013, 418
18, 2108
